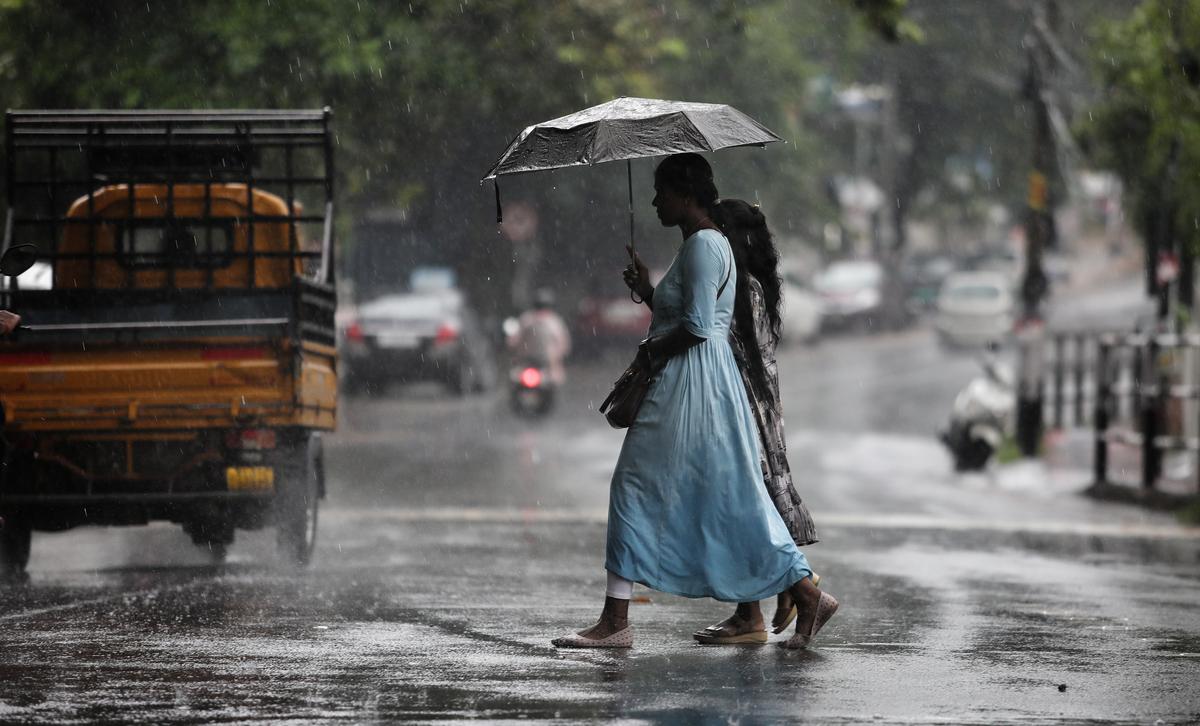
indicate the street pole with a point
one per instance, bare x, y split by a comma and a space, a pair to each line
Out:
1039, 231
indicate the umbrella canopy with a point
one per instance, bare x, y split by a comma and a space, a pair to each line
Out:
629, 128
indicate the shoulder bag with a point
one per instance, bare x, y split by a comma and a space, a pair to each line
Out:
621, 406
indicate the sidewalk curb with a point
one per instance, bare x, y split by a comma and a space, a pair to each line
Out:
1150, 498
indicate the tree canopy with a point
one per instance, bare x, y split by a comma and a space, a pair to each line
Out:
427, 93
1147, 125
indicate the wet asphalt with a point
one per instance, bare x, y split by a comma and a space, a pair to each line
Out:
458, 539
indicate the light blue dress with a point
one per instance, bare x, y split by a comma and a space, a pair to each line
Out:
688, 513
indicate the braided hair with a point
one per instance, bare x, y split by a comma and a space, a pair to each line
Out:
757, 258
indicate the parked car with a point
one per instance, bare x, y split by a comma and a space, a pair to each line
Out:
802, 311
1058, 270
426, 331
1004, 262
851, 294
923, 277
611, 319
974, 308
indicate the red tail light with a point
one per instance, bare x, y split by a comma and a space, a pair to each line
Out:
531, 378
354, 333
446, 333
250, 439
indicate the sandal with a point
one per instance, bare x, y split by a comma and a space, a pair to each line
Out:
722, 634
826, 607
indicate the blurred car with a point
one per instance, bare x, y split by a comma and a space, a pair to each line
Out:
851, 294
1057, 268
974, 308
610, 320
923, 277
801, 311
424, 332
1004, 262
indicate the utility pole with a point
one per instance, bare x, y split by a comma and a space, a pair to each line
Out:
1039, 227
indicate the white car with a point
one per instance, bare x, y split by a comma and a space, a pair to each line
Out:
801, 311
425, 331
851, 294
974, 309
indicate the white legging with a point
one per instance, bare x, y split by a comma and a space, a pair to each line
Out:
619, 587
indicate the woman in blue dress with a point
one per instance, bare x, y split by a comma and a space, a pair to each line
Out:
688, 513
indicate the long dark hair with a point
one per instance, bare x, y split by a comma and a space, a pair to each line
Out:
756, 256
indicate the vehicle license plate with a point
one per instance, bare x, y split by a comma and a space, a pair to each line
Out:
250, 478
398, 340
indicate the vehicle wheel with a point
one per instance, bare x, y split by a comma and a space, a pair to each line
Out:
297, 497
974, 456
487, 377
355, 383
547, 402
15, 539
463, 380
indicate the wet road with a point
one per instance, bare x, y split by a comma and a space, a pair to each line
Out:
457, 540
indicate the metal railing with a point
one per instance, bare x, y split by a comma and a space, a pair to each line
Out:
1133, 389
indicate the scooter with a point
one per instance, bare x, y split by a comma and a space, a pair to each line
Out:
531, 391
981, 417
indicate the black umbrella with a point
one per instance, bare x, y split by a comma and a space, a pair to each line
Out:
627, 128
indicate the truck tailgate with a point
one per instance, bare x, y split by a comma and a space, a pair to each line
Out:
173, 385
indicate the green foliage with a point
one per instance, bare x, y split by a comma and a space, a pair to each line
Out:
886, 17
427, 93
1189, 514
1147, 127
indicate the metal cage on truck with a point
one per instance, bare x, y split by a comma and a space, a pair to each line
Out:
57, 157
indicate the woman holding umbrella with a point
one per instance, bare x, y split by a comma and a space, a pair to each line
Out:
688, 513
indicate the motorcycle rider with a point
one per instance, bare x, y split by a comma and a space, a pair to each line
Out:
542, 338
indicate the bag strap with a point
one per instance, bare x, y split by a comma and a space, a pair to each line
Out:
728, 272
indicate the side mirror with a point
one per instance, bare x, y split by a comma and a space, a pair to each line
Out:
18, 259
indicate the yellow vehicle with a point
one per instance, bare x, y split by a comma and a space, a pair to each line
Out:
179, 360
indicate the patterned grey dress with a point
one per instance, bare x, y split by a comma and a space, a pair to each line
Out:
768, 414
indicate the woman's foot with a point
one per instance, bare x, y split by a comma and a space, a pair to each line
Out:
816, 608
785, 613
611, 631
604, 628
601, 635
785, 608
734, 630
